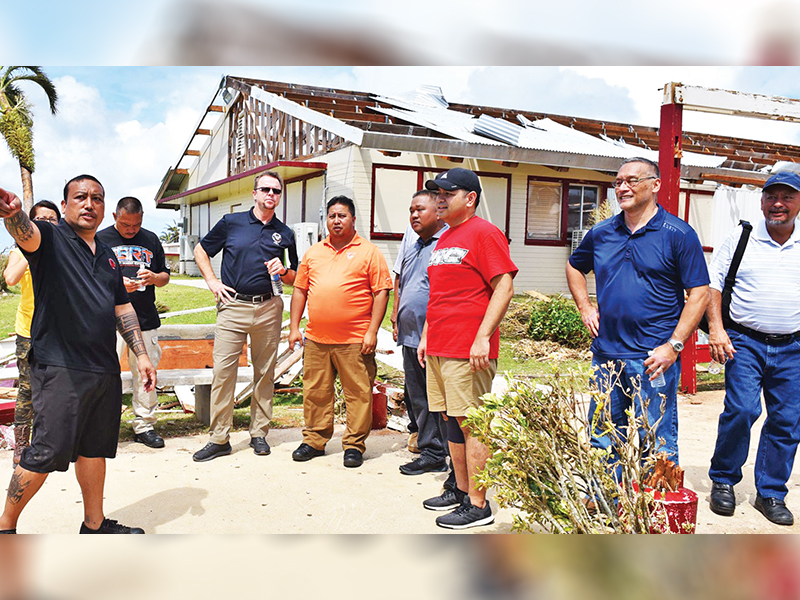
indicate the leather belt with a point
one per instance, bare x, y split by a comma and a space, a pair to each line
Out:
769, 338
254, 299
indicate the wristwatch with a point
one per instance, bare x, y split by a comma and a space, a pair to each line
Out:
285, 271
677, 345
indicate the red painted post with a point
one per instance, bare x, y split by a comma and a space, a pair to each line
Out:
670, 150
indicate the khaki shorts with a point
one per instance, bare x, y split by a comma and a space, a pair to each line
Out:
452, 386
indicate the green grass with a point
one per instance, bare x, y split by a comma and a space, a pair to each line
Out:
8, 311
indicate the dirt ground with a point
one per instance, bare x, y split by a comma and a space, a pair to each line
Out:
164, 491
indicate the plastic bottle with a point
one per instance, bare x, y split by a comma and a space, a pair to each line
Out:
659, 381
714, 368
277, 285
141, 287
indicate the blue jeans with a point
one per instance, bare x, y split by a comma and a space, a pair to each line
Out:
772, 368
630, 372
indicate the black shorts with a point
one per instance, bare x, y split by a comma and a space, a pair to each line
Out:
76, 413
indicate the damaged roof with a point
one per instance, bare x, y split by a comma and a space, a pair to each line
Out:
427, 114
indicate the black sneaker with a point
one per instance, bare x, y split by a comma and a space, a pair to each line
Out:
466, 516
353, 458
424, 464
449, 500
8, 531
149, 438
211, 451
305, 452
260, 446
111, 526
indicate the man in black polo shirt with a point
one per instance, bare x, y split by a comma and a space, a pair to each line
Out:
75, 383
254, 244
140, 255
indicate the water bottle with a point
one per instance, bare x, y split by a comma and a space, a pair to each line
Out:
714, 368
141, 287
659, 381
277, 285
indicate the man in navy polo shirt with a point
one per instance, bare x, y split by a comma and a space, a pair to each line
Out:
643, 259
75, 382
253, 245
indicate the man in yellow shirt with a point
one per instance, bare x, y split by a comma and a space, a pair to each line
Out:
17, 271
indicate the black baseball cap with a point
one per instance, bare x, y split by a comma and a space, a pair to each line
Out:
455, 179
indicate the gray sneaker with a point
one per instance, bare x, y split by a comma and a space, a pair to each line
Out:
211, 451
466, 516
449, 500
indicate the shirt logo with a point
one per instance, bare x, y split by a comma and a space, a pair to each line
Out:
112, 263
276, 237
350, 255
447, 256
133, 256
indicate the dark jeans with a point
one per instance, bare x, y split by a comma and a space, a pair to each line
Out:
431, 432
755, 368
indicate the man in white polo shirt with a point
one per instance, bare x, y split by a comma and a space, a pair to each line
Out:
761, 347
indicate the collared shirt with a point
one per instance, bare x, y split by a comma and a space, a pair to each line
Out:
341, 285
414, 288
248, 244
142, 250
641, 278
74, 324
765, 296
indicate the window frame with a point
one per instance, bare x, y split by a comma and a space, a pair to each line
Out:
564, 239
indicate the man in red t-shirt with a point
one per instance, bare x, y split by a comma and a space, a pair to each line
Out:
471, 284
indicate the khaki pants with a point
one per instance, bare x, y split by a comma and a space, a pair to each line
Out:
235, 321
321, 363
144, 403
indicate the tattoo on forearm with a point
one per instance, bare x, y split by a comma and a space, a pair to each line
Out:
17, 487
20, 227
128, 327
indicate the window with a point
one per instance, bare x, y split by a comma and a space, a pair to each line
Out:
582, 200
544, 210
556, 208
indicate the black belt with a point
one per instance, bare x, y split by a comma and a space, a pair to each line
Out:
254, 299
769, 338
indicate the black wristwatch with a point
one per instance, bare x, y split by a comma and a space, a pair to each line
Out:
285, 271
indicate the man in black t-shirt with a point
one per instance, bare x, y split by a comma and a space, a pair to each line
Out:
141, 256
75, 383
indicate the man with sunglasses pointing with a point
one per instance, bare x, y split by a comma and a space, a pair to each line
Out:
643, 259
254, 244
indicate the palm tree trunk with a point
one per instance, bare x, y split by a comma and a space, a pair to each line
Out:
27, 189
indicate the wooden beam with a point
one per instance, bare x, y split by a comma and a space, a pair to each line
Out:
182, 171
192, 153
455, 159
214, 108
390, 153
203, 132
741, 180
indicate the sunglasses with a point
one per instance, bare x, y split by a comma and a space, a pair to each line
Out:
267, 190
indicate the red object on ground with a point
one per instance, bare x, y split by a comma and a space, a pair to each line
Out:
7, 411
379, 407
680, 507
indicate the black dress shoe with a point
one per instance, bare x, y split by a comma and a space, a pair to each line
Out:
259, 446
305, 452
723, 500
149, 438
353, 458
775, 510
211, 451
424, 464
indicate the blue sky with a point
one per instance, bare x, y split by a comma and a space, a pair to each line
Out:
128, 125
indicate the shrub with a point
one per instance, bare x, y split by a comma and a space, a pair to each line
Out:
558, 320
542, 462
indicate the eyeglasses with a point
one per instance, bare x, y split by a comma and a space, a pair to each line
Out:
267, 190
631, 182
48, 219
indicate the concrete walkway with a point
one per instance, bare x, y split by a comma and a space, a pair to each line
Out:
165, 492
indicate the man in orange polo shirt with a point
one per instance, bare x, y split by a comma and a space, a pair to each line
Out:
346, 282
